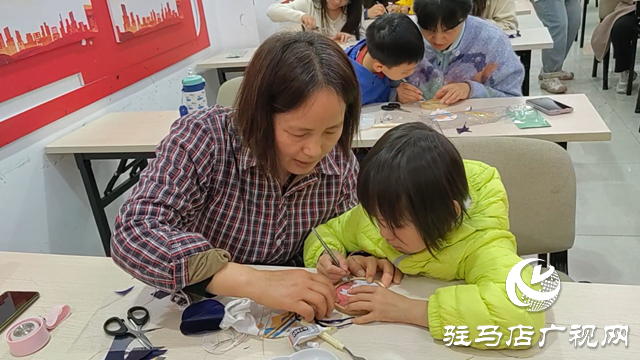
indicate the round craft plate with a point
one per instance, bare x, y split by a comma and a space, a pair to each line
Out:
353, 313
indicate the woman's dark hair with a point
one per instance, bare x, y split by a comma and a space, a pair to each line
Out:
285, 71
412, 175
478, 7
353, 10
441, 15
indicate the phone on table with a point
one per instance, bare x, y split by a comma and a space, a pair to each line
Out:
549, 106
13, 304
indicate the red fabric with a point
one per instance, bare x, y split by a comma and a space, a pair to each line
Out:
360, 59
204, 191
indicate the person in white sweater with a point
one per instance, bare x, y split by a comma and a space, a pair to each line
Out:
337, 19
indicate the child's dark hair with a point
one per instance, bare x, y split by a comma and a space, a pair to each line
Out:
353, 10
413, 174
394, 39
441, 15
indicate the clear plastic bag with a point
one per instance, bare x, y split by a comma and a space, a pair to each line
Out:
526, 117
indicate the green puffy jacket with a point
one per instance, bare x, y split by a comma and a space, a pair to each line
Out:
481, 252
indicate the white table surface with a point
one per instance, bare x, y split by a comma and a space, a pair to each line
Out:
523, 7
221, 61
583, 124
138, 132
87, 284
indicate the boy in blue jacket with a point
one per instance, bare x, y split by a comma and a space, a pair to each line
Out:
391, 51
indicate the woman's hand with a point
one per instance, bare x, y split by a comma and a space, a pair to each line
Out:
341, 38
326, 267
385, 305
375, 11
452, 93
408, 93
310, 295
308, 21
368, 266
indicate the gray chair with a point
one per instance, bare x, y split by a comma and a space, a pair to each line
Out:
541, 186
228, 92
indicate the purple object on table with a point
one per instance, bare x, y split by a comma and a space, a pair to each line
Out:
124, 292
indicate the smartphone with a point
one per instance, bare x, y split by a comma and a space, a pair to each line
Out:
549, 106
13, 304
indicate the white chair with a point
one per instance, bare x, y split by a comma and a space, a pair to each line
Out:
228, 92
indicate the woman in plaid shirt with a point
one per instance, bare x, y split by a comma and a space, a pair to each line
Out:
246, 185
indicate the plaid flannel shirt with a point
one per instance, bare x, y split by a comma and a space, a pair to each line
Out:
204, 190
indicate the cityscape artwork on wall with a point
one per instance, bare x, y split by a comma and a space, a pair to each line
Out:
134, 18
28, 28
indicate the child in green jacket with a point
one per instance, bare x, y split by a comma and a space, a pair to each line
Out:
428, 212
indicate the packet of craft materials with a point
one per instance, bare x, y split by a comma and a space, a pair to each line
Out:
303, 333
526, 117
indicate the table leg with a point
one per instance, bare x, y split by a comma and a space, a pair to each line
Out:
98, 202
525, 59
93, 194
222, 76
560, 261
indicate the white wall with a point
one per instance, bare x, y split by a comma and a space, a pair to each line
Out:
43, 204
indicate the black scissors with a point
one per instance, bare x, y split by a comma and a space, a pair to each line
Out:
393, 106
138, 316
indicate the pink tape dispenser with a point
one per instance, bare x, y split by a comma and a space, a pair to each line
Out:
31, 334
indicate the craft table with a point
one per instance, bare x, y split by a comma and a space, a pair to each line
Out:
224, 65
530, 39
87, 284
132, 137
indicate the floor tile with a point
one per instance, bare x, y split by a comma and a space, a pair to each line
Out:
623, 148
608, 199
605, 259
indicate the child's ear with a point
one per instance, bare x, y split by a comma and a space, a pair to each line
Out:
377, 67
458, 208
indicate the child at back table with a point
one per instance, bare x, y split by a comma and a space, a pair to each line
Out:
465, 56
391, 51
428, 212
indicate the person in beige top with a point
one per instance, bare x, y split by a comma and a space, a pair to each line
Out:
337, 19
499, 12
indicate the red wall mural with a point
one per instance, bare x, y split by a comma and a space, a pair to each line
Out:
106, 65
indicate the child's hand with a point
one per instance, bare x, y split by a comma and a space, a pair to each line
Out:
452, 93
368, 266
408, 93
308, 21
386, 305
341, 38
405, 9
326, 267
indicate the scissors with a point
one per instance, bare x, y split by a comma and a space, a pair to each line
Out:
138, 316
393, 107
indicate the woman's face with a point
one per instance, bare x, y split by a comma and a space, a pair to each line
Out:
336, 4
442, 39
305, 135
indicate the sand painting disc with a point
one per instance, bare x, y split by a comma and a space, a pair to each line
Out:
432, 104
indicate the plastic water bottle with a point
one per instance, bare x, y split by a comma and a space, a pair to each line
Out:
194, 97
